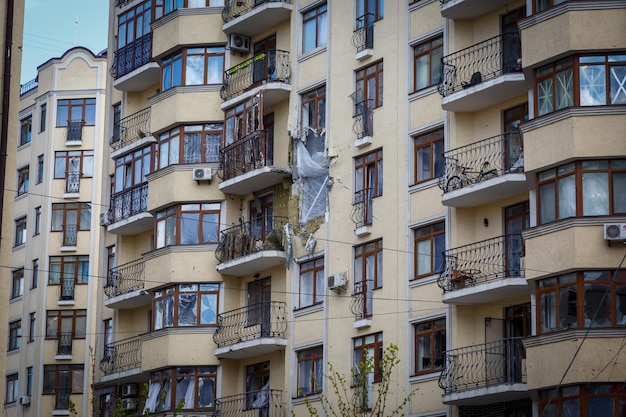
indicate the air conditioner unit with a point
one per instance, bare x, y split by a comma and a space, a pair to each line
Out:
615, 231
104, 218
202, 174
129, 390
129, 403
25, 400
239, 43
337, 282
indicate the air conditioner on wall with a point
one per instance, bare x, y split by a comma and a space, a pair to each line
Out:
615, 231
202, 174
25, 400
337, 282
129, 403
239, 43
129, 390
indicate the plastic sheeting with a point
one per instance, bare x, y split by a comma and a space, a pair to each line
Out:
312, 171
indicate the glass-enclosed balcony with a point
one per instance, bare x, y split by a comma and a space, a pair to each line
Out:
469, 9
483, 172
483, 74
253, 330
128, 213
252, 246
121, 358
125, 286
484, 271
251, 17
484, 373
132, 132
132, 67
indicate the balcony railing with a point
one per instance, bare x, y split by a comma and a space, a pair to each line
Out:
125, 278
131, 129
253, 151
480, 62
74, 130
266, 403
485, 365
64, 343
271, 66
28, 85
256, 321
66, 289
481, 161
235, 8
129, 202
69, 237
363, 36
72, 182
260, 234
363, 124
132, 56
362, 299
482, 262
121, 355
362, 208
62, 398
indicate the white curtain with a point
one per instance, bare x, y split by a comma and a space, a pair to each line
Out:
153, 395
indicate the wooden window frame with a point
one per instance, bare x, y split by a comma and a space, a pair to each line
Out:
65, 315
312, 355
429, 46
21, 227
177, 212
432, 331
15, 335
316, 268
432, 230
23, 180
364, 74
75, 260
359, 344
70, 104
26, 130
65, 208
361, 253
314, 14
432, 138
17, 283
175, 292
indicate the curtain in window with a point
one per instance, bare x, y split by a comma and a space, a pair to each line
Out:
85, 217
304, 377
187, 307
206, 390
212, 148
158, 317
208, 314
168, 311
567, 197
596, 193
194, 72
78, 376
548, 312
215, 69
83, 272
192, 148
424, 361
424, 256
210, 227
567, 308
306, 289
153, 395
189, 228
170, 234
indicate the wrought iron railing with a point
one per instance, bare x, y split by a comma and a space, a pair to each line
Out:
363, 36
485, 365
69, 237
363, 124
253, 151
64, 343
482, 262
62, 398
72, 182
266, 403
28, 85
131, 56
259, 234
131, 129
128, 203
362, 207
271, 66
121, 356
256, 321
235, 8
74, 130
67, 288
481, 161
361, 304
480, 62
125, 278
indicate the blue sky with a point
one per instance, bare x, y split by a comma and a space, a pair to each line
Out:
50, 29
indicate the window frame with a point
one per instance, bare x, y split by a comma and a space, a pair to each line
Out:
172, 296
21, 230
431, 46
40, 169
362, 77
361, 253
167, 379
433, 140
315, 357
37, 221
43, 113
26, 130
376, 345
362, 165
431, 332
15, 336
64, 159
12, 388
580, 394
431, 232
163, 221
17, 283
79, 262
61, 316
65, 209
23, 180
32, 322
72, 370
378, 12
131, 169
315, 269
175, 72
163, 155
87, 107
319, 16
35, 274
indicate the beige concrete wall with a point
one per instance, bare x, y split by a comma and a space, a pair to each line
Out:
187, 29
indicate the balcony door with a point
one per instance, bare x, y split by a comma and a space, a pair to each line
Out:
262, 216
259, 298
517, 218
258, 388
265, 69
511, 45
513, 145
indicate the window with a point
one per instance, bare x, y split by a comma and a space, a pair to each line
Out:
429, 245
22, 180
69, 268
369, 84
189, 145
131, 169
78, 110
13, 386
31, 326
20, 232
35, 271
368, 263
242, 120
107, 324
186, 305
368, 173
40, 169
368, 347
583, 188
430, 345
78, 163
606, 400
59, 322
315, 28
63, 380
29, 380
428, 155
71, 214
17, 286
310, 371
314, 116
311, 288
187, 224
37, 221
373, 7
202, 66
15, 335
26, 129
196, 385
111, 263
541, 5
427, 60
555, 86
43, 111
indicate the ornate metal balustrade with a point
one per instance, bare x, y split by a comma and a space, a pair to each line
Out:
362, 208
28, 85
361, 304
131, 129
481, 262
271, 66
488, 364
253, 151
64, 343
121, 356
259, 234
74, 130
125, 278
256, 321
128, 203
72, 182
66, 289
266, 403
480, 62
363, 36
62, 398
69, 237
482, 160
363, 124
132, 56
235, 8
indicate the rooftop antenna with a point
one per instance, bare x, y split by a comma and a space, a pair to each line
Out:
76, 31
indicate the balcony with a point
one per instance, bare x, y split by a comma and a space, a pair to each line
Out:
61, 401
361, 304
362, 208
248, 165
484, 271
132, 69
363, 124
72, 185
469, 9
363, 36
483, 172
74, 133
131, 133
250, 331
69, 237
266, 403
482, 75
66, 290
269, 72
485, 373
29, 86
252, 246
124, 287
251, 17
64, 345
121, 358
128, 213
